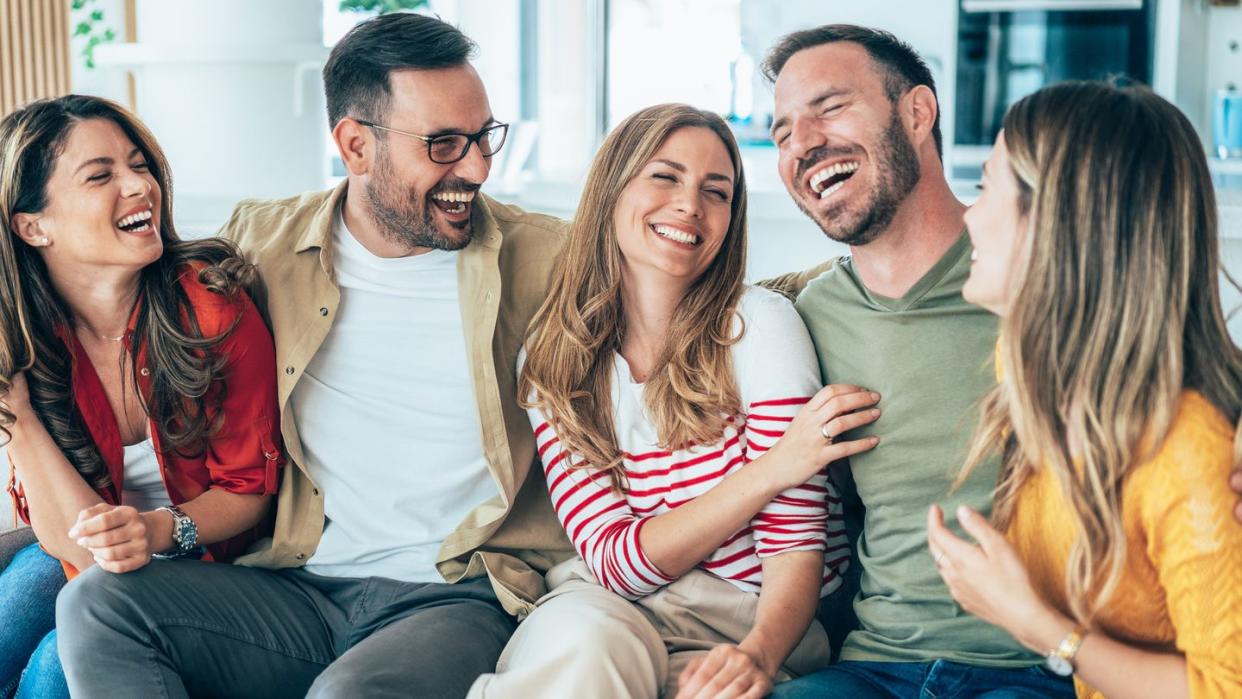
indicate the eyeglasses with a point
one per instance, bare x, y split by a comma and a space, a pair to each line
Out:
450, 147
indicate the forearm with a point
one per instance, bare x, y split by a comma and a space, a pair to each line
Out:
218, 515
787, 603
678, 540
54, 490
1113, 668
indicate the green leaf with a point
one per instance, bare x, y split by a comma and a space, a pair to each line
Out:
96, 15
109, 35
81, 29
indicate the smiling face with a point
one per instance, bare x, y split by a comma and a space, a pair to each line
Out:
996, 226
414, 200
844, 154
103, 202
672, 218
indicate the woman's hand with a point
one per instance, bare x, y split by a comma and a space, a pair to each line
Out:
810, 442
725, 672
119, 538
988, 580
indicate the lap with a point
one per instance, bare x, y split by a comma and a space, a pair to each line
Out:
28, 588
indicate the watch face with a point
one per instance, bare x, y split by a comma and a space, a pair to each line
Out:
1059, 665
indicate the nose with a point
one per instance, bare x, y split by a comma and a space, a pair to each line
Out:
135, 184
804, 137
474, 167
689, 202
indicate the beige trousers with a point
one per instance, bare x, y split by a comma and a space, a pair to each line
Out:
584, 641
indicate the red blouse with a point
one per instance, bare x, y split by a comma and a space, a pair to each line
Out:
243, 456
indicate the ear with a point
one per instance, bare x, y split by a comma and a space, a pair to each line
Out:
26, 226
920, 110
356, 144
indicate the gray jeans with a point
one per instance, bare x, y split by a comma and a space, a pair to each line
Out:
184, 628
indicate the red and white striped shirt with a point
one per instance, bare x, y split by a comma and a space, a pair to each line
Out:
777, 371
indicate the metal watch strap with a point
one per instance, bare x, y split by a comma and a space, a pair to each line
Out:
184, 533
1060, 660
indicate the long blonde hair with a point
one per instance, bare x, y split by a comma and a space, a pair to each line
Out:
1117, 312
577, 330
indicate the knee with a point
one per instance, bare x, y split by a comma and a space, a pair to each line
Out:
337, 680
590, 634
88, 606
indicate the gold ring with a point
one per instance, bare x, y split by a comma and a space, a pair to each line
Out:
823, 429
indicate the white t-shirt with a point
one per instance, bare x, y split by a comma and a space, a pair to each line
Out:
388, 418
143, 486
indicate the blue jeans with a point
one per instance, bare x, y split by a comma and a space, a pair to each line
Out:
29, 662
936, 679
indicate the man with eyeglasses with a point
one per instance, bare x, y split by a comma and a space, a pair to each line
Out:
411, 530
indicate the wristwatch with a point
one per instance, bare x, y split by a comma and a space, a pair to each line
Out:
1060, 660
184, 533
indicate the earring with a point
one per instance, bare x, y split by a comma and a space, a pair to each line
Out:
43, 241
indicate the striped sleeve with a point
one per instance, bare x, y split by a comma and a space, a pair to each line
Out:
599, 521
778, 373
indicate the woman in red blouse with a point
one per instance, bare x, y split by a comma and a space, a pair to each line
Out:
137, 378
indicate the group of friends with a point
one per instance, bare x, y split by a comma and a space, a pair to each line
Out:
401, 439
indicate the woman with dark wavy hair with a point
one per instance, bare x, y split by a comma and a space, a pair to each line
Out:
137, 378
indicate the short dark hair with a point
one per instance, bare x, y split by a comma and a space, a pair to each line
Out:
902, 66
355, 78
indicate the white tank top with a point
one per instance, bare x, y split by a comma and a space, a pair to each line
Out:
144, 486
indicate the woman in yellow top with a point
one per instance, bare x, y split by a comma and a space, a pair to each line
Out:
1117, 413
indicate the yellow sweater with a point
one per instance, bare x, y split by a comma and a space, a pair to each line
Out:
1181, 588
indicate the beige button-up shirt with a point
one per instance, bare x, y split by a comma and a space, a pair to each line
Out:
502, 276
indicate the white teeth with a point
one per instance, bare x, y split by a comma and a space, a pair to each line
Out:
463, 197
676, 234
837, 169
828, 192
134, 218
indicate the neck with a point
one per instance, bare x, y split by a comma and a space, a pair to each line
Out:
100, 300
926, 225
360, 220
649, 305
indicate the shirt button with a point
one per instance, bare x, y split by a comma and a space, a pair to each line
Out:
300, 556
144, 371
323, 311
315, 491
288, 370
489, 296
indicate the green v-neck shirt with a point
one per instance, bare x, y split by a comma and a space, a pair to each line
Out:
928, 354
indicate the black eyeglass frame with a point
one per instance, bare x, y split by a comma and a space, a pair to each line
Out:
471, 139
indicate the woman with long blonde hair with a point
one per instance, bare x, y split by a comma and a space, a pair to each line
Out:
684, 436
1114, 550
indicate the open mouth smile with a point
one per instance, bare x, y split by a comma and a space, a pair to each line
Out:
676, 235
137, 222
453, 202
825, 182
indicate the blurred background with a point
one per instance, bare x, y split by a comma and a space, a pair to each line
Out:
232, 90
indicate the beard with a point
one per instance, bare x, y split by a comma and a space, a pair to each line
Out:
404, 215
897, 168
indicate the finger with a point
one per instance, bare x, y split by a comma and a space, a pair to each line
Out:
1235, 481
847, 403
1237, 512
689, 682
839, 450
124, 565
86, 514
111, 519
956, 551
840, 425
981, 529
708, 666
120, 552
829, 392
112, 537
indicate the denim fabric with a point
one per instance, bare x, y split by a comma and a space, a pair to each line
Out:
28, 588
940, 679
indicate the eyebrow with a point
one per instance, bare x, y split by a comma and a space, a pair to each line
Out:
105, 160
814, 102
491, 121
682, 168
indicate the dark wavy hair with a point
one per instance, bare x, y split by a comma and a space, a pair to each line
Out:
185, 369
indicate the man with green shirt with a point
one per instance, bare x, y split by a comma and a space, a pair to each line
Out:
858, 132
